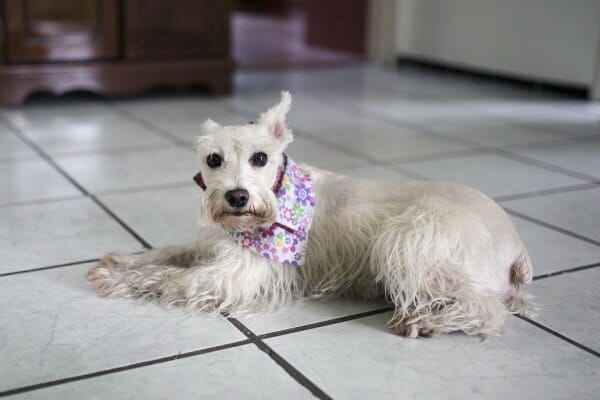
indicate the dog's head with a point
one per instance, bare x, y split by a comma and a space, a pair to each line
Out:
239, 168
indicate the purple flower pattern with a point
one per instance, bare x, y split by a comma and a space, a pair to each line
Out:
285, 241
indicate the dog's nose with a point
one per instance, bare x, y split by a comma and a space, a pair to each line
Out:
237, 198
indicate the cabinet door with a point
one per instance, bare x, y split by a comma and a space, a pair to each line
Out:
184, 29
61, 30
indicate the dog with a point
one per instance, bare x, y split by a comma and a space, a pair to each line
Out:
446, 256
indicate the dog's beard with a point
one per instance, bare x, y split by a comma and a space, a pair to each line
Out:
260, 212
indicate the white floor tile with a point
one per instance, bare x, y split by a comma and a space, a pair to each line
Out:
575, 211
12, 148
495, 133
579, 157
360, 359
387, 142
553, 251
570, 304
38, 235
181, 116
55, 326
374, 172
101, 172
162, 217
306, 151
573, 130
493, 175
31, 181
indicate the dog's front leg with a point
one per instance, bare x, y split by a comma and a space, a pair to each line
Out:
141, 275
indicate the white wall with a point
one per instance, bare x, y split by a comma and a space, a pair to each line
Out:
554, 40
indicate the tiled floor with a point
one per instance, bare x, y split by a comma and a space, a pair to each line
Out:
82, 176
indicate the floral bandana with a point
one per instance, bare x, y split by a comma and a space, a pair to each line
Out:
285, 241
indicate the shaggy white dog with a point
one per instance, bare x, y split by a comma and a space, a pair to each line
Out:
446, 256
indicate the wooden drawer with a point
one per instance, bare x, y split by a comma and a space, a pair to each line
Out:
61, 30
189, 29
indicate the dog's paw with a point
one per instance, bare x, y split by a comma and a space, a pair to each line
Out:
105, 276
412, 330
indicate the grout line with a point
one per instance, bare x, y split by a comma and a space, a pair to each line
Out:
68, 177
41, 201
325, 323
127, 367
158, 186
119, 221
464, 153
165, 134
287, 367
566, 271
541, 164
559, 335
26, 271
547, 192
313, 137
137, 189
17, 160
110, 151
550, 226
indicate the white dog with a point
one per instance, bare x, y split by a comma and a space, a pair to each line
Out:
445, 256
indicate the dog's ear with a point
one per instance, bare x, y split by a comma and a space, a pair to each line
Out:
274, 119
208, 126
204, 140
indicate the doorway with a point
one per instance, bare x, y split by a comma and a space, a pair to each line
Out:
298, 33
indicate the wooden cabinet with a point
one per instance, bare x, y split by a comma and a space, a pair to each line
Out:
61, 30
202, 29
113, 47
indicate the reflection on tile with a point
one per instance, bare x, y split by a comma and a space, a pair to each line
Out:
493, 175
360, 359
308, 312
575, 211
65, 133
570, 304
38, 235
162, 217
553, 251
55, 326
581, 157
100, 172
238, 373
181, 116
33, 180
12, 148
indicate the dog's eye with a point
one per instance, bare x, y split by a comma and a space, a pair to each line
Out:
214, 160
259, 159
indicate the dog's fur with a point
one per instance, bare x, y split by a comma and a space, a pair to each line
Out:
446, 256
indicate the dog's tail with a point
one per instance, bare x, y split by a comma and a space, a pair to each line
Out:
521, 273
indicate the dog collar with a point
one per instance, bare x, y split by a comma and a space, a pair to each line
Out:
285, 241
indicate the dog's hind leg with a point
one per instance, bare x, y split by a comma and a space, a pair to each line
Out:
420, 257
140, 275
